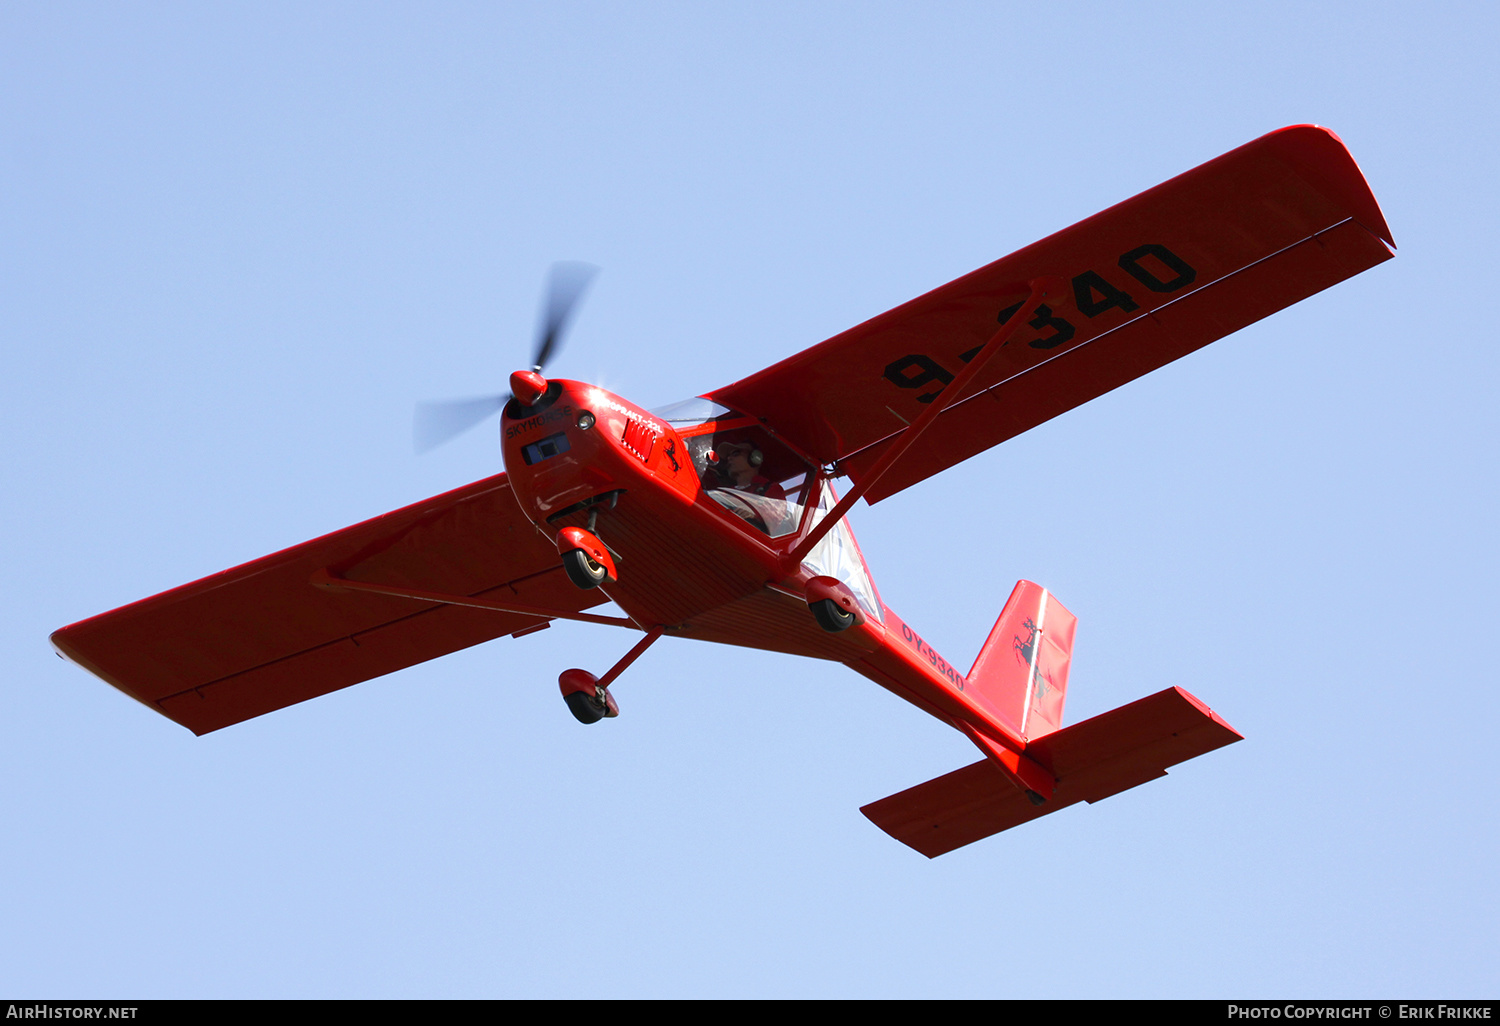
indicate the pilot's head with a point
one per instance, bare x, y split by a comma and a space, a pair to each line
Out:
740, 459
745, 451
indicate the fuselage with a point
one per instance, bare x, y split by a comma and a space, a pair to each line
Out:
702, 545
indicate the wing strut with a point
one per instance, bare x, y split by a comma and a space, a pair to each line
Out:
1040, 288
324, 579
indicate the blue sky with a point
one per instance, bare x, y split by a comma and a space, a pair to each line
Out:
241, 241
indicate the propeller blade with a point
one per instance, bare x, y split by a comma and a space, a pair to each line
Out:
564, 288
437, 422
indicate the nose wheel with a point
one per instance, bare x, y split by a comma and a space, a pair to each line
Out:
582, 570
586, 559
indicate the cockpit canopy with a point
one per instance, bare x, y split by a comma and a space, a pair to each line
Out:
742, 465
773, 490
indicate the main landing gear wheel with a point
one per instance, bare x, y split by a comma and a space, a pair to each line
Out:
586, 708
588, 700
831, 616
583, 572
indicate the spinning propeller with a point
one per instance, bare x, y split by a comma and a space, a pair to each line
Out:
437, 422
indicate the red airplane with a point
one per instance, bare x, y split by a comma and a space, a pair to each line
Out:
716, 518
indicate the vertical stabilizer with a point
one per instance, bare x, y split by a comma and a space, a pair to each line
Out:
1021, 675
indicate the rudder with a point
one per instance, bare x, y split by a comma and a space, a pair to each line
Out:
1021, 674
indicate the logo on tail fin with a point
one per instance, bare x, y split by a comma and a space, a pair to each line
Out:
1026, 647
1041, 680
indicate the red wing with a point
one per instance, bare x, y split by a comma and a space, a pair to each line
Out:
1153, 279
262, 636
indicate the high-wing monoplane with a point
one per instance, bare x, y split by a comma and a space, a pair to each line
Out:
717, 518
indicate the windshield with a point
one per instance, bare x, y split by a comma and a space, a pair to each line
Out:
689, 413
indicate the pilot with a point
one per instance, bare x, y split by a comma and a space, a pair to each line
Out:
739, 464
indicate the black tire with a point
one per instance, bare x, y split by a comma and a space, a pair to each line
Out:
583, 707
831, 616
582, 570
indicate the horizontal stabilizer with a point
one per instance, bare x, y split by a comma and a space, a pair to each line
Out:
1092, 760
